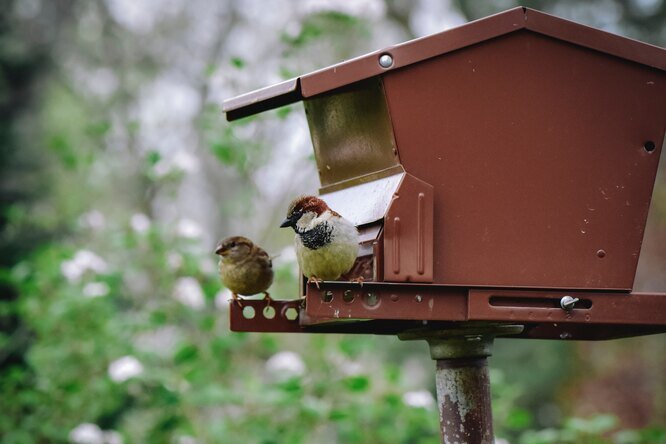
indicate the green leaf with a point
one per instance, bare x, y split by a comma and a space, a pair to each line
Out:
338, 415
292, 386
519, 419
61, 145
357, 383
286, 73
309, 32
185, 354
210, 69
237, 62
153, 157
283, 112
98, 129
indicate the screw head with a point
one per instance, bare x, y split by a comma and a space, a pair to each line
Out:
567, 302
418, 298
385, 60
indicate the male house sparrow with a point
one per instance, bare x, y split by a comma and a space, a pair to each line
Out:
326, 243
245, 268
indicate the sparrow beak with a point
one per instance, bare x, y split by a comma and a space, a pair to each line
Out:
218, 249
288, 222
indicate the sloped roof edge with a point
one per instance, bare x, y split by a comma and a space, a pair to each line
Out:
417, 50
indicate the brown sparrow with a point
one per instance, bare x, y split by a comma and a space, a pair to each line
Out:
326, 243
245, 268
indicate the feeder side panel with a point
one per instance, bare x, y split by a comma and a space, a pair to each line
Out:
535, 148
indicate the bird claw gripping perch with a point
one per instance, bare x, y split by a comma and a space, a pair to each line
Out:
315, 280
236, 299
268, 299
358, 280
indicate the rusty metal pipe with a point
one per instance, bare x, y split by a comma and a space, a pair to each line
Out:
463, 395
462, 380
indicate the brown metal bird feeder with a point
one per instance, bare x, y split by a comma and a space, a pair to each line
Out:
500, 174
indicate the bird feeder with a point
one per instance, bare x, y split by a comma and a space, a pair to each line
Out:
500, 174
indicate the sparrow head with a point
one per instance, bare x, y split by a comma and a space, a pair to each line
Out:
234, 249
302, 210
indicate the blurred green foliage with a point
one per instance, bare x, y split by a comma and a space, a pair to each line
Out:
112, 318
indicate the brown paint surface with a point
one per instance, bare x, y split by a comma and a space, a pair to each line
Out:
535, 150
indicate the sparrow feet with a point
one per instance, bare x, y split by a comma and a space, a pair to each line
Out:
236, 299
359, 280
314, 280
268, 299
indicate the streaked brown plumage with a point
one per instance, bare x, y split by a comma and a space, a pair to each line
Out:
245, 268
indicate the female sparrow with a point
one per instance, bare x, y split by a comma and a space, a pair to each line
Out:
326, 243
245, 268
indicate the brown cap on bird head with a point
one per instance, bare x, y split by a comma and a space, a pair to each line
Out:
300, 205
226, 244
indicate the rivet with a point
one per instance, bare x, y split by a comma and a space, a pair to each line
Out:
418, 298
601, 254
394, 297
385, 60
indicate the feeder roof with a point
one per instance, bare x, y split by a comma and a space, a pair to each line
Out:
418, 50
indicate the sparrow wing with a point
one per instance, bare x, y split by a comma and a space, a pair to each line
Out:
262, 256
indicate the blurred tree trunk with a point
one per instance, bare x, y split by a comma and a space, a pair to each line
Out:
24, 61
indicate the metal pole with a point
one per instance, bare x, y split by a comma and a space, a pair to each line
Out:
462, 380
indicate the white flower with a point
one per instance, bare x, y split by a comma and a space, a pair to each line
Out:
71, 270
188, 292
125, 368
188, 228
113, 437
96, 289
285, 364
419, 399
222, 298
185, 161
174, 261
90, 261
87, 433
140, 223
82, 261
161, 341
351, 368
345, 366
94, 220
